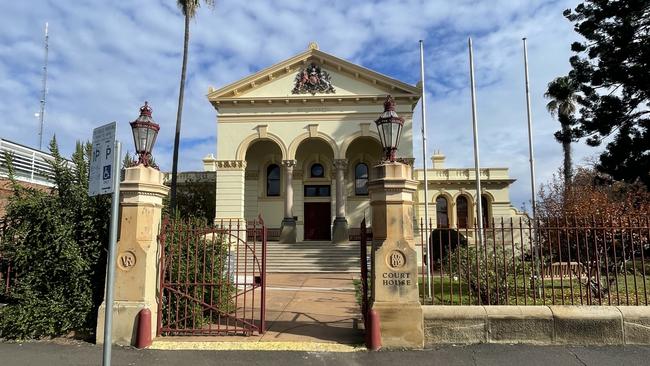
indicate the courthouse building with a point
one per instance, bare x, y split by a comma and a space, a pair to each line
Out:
296, 141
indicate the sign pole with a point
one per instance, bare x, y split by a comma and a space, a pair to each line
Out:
112, 239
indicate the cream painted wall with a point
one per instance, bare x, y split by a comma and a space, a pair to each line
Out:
261, 122
234, 135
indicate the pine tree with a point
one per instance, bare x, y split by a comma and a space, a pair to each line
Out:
610, 68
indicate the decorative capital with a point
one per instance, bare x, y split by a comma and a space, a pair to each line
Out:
289, 163
230, 164
340, 164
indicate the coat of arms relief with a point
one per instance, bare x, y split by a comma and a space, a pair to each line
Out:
312, 79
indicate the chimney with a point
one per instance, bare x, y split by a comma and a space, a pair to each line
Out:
438, 160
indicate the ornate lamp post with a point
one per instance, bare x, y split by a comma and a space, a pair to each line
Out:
145, 130
136, 260
389, 126
394, 279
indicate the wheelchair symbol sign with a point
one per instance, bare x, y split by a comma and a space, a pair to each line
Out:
106, 172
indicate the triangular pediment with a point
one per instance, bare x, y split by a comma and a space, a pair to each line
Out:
347, 80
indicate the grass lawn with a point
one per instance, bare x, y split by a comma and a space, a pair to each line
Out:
449, 290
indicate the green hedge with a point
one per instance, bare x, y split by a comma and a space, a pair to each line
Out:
57, 243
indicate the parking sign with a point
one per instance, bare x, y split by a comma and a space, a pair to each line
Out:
101, 163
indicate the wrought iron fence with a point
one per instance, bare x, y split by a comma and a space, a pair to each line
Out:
213, 278
552, 261
363, 265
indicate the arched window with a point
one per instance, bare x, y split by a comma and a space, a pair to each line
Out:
442, 217
462, 212
273, 180
317, 171
485, 205
361, 180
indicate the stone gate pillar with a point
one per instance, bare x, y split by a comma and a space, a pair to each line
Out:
394, 278
137, 254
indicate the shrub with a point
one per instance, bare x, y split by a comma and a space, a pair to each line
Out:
443, 241
195, 198
482, 268
57, 244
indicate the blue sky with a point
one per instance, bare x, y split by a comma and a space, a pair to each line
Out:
107, 57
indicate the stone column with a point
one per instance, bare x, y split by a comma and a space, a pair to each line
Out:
340, 228
137, 254
394, 257
288, 227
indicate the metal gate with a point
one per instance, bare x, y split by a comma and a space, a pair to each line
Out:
212, 278
364, 265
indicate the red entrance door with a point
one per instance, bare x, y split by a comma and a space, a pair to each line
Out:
317, 220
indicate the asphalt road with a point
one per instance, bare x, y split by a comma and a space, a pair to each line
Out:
77, 353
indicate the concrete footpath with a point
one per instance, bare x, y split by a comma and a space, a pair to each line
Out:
312, 308
304, 311
77, 354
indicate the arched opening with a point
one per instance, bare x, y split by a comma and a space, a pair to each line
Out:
442, 215
263, 180
462, 212
485, 204
273, 180
317, 170
361, 154
361, 179
444, 239
313, 203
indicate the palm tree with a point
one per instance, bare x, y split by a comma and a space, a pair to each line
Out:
188, 8
562, 94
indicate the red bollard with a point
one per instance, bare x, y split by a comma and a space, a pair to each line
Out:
144, 329
373, 333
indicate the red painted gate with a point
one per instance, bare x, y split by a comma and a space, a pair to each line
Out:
212, 278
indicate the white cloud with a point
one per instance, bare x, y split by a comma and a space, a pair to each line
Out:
106, 58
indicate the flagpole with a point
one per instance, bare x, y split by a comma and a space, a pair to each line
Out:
531, 156
479, 205
424, 165
530, 134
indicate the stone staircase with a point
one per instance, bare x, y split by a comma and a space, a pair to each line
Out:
312, 257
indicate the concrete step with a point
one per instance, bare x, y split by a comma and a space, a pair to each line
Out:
312, 257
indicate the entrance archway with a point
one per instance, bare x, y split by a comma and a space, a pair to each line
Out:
263, 185
314, 192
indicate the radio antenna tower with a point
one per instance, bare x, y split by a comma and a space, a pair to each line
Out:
41, 115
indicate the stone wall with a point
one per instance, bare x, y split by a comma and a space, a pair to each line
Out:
542, 325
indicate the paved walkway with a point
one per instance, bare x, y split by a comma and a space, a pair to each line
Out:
300, 307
